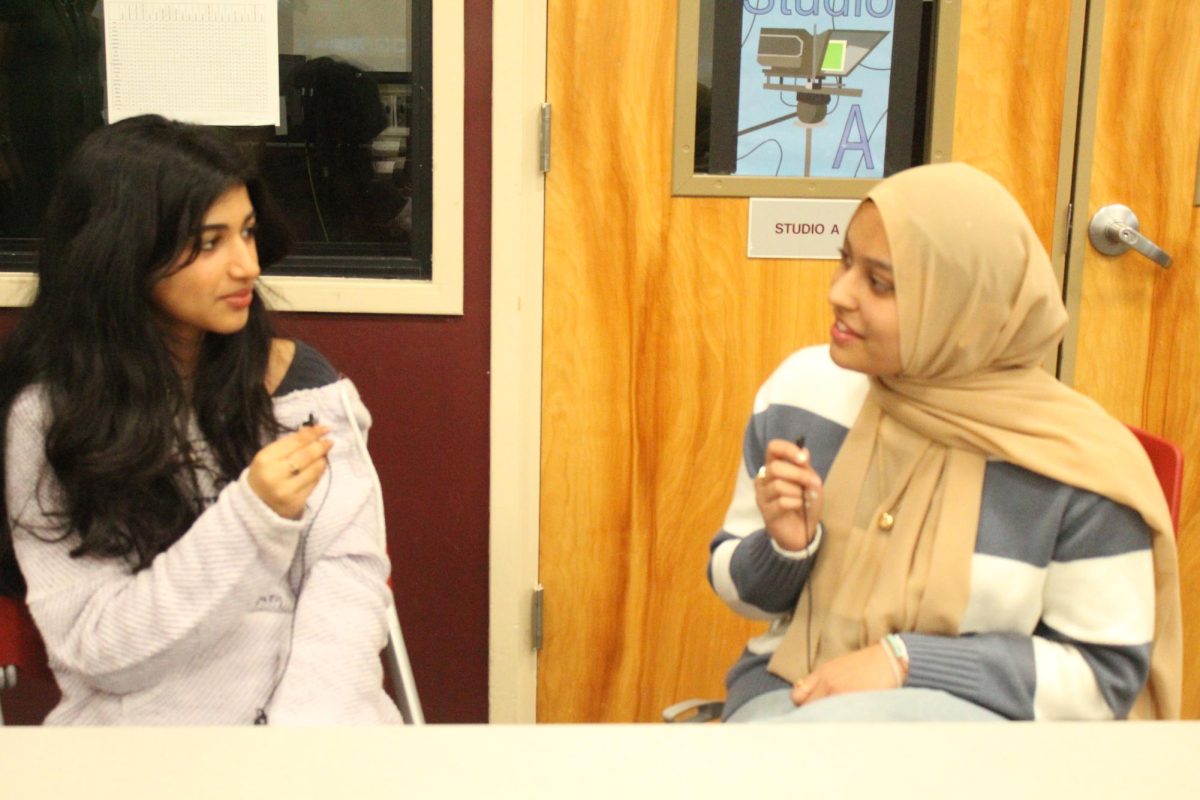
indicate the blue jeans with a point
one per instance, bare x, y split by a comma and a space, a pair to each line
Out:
892, 705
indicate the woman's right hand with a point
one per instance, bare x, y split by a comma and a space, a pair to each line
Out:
789, 494
284, 473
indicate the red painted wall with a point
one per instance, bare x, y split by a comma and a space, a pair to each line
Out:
425, 380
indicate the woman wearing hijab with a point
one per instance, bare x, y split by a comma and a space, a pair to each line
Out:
936, 526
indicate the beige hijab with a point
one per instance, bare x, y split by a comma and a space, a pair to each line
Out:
979, 308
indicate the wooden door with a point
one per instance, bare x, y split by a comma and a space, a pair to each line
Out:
658, 330
1138, 346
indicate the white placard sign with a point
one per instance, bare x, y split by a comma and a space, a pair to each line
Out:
214, 62
797, 228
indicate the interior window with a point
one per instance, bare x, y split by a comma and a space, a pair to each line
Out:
349, 163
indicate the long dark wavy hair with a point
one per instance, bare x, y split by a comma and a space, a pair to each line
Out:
128, 211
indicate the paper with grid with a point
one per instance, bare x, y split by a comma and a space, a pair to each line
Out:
214, 62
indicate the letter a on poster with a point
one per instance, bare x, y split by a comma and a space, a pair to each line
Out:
214, 62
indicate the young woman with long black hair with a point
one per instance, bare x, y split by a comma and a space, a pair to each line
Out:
184, 495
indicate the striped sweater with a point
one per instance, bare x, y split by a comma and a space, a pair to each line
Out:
247, 610
1060, 614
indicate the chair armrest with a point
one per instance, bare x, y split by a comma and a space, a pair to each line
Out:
701, 710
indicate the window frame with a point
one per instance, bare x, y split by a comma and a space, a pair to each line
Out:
686, 182
442, 293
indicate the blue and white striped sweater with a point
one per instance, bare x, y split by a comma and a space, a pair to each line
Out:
1061, 608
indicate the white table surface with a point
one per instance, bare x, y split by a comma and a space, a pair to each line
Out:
616, 762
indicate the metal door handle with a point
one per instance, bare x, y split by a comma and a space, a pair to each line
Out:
1114, 229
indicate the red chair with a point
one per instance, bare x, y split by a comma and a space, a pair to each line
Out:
21, 650
1167, 459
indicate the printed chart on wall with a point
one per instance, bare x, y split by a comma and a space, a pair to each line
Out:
214, 62
813, 88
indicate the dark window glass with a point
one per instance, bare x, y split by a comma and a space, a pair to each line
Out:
349, 164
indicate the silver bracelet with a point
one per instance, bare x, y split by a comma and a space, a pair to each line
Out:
898, 652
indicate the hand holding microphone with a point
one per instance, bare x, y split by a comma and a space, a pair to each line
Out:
284, 473
789, 493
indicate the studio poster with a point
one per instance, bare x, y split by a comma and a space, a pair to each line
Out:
816, 88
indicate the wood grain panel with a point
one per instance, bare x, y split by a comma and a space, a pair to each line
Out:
657, 332
1139, 339
1008, 111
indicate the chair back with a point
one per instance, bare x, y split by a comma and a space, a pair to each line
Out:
20, 643
22, 654
399, 671
1167, 459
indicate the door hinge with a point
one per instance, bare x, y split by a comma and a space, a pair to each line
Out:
1070, 219
544, 139
536, 616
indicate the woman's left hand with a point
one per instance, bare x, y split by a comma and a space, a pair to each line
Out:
863, 670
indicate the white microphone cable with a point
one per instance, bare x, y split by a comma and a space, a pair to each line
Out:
399, 667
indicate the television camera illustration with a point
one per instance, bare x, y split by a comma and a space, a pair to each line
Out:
812, 66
